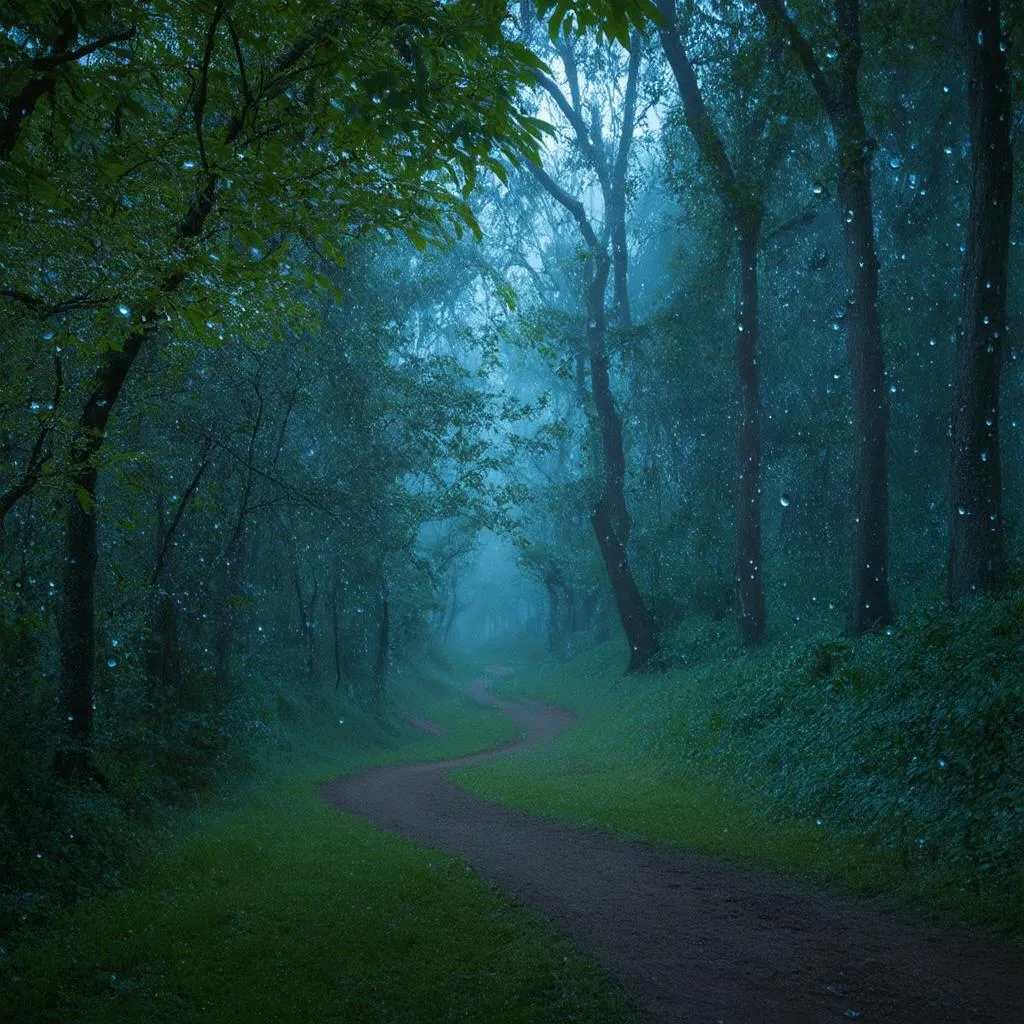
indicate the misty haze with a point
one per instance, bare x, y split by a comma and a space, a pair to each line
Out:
511, 512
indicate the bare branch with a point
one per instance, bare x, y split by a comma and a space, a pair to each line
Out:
571, 204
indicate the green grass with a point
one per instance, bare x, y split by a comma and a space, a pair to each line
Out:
271, 906
891, 765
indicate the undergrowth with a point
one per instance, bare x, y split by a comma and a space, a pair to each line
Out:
894, 763
264, 904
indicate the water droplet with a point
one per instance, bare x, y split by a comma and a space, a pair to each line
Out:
784, 500
111, 662
817, 188
895, 163
984, 456
942, 762
124, 311
188, 165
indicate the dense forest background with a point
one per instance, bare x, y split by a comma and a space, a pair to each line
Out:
336, 334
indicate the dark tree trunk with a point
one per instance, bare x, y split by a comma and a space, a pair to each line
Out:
162, 661
380, 669
610, 519
609, 422
620, 262
76, 629
554, 611
304, 624
745, 212
749, 574
76, 626
636, 619
976, 557
336, 635
869, 601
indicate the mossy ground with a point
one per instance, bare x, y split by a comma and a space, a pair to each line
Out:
893, 764
270, 906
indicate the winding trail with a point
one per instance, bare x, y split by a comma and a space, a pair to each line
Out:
694, 941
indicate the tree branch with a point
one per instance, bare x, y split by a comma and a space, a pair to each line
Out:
186, 497
39, 455
571, 204
801, 220
777, 15
54, 60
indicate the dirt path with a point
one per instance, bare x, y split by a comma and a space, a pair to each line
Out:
692, 940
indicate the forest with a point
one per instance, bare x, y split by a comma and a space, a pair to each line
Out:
378, 377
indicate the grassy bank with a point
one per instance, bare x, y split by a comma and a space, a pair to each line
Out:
894, 764
267, 905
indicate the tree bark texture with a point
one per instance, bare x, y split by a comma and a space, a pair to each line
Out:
977, 561
637, 621
380, 669
748, 566
869, 598
610, 518
869, 601
745, 213
76, 625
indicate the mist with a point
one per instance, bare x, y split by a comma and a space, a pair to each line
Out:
613, 410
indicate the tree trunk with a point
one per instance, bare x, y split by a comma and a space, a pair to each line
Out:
745, 212
336, 635
554, 611
76, 626
976, 557
380, 669
609, 422
610, 519
869, 600
637, 621
749, 574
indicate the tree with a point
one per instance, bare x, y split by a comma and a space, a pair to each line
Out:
745, 211
608, 162
255, 129
841, 103
977, 561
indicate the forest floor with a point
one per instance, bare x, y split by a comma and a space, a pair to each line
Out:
692, 939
